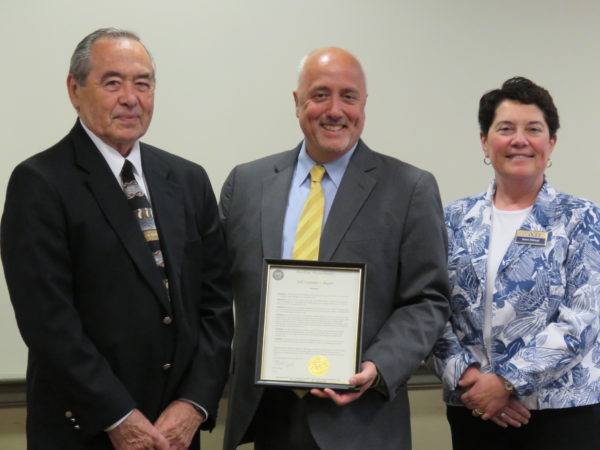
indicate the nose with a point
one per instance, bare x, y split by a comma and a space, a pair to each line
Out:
519, 139
335, 108
128, 95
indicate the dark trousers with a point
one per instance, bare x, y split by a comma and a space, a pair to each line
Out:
548, 429
280, 422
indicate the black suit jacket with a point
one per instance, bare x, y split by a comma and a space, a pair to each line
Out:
387, 214
103, 337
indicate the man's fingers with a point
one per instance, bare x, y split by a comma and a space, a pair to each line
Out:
319, 393
338, 398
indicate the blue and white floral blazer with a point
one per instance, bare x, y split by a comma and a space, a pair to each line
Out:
546, 302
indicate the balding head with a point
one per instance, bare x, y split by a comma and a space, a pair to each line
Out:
330, 101
320, 59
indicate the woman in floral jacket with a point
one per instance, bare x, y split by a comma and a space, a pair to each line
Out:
522, 349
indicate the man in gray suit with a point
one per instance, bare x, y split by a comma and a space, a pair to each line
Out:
378, 211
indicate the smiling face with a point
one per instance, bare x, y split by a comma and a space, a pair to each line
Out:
518, 143
330, 103
117, 100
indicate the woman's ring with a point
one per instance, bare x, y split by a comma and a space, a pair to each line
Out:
502, 415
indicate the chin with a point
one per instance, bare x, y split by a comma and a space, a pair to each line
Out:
337, 147
129, 137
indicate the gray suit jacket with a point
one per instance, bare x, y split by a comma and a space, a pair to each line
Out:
387, 214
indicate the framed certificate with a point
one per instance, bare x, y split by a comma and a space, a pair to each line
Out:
310, 324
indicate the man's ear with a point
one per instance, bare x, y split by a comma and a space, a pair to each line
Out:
73, 88
296, 102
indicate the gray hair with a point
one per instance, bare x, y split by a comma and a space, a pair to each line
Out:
81, 61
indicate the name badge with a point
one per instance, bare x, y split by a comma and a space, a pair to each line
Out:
531, 237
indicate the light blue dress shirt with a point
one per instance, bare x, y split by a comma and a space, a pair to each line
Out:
301, 187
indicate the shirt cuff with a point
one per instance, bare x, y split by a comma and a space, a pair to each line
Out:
196, 406
118, 422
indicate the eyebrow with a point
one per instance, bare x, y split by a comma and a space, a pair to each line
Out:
319, 88
111, 74
351, 90
328, 89
146, 76
142, 76
510, 122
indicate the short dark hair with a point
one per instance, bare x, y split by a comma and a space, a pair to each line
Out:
81, 61
522, 90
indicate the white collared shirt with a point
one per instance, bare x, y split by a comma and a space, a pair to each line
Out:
115, 160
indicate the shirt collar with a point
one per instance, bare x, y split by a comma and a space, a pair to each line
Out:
335, 169
114, 159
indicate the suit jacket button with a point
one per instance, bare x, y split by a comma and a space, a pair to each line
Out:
167, 320
76, 427
166, 366
68, 414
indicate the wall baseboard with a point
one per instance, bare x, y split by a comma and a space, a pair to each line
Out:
12, 393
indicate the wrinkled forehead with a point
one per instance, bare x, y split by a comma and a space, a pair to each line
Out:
107, 53
329, 70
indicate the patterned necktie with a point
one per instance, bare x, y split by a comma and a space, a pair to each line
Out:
308, 234
142, 211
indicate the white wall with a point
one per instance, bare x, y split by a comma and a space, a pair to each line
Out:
226, 71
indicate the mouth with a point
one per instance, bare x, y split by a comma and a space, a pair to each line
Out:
127, 116
333, 127
519, 156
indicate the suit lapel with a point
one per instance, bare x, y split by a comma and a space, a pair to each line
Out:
352, 193
168, 209
476, 234
113, 204
275, 191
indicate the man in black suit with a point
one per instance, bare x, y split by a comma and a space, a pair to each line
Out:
117, 271
377, 210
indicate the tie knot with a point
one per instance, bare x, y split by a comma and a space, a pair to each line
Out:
316, 173
127, 172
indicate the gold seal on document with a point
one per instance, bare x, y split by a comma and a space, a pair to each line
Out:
318, 365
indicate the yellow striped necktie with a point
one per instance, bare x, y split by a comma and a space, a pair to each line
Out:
308, 234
